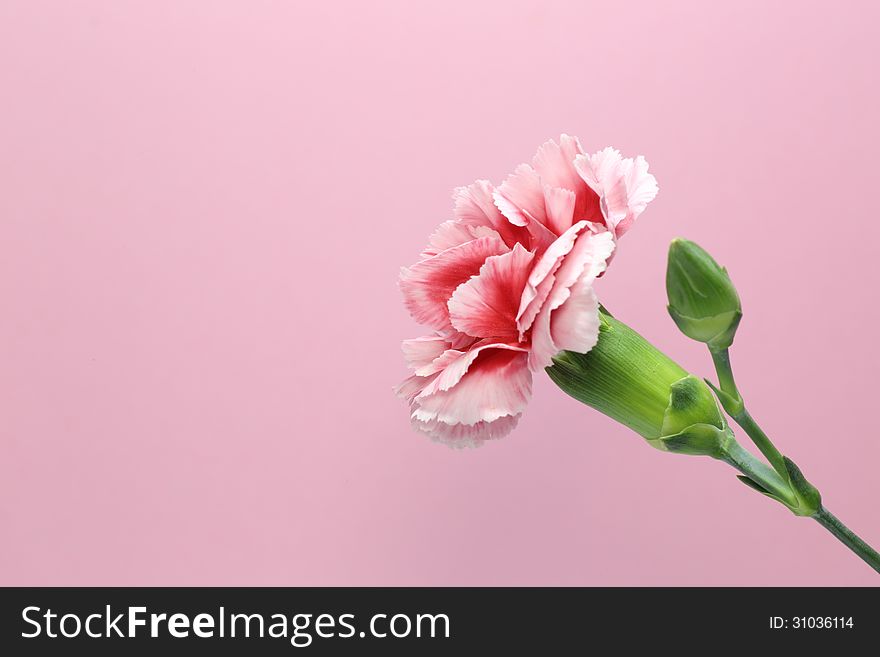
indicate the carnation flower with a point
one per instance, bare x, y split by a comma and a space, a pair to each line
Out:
508, 283
506, 288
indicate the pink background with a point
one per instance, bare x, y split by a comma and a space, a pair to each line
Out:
203, 209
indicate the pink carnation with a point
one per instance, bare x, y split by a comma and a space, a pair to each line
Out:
508, 283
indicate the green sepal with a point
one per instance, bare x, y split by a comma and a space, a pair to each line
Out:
733, 406
751, 483
630, 381
696, 440
690, 402
716, 331
809, 498
693, 423
623, 376
805, 499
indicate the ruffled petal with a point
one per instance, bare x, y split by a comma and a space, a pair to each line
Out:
560, 208
420, 352
641, 189
624, 187
457, 339
539, 236
526, 316
497, 383
568, 319
428, 284
555, 164
412, 386
450, 234
600, 169
586, 260
484, 394
466, 435
575, 324
475, 207
451, 365
487, 304
536, 289
524, 196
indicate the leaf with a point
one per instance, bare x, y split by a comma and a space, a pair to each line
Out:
807, 494
751, 483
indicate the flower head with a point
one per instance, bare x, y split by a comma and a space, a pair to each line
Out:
508, 283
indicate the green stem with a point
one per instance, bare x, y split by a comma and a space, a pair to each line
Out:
735, 406
864, 551
776, 483
740, 458
721, 358
768, 449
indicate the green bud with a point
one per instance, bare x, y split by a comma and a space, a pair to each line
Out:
632, 382
702, 299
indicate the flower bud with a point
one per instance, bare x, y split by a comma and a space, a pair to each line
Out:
629, 380
702, 299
